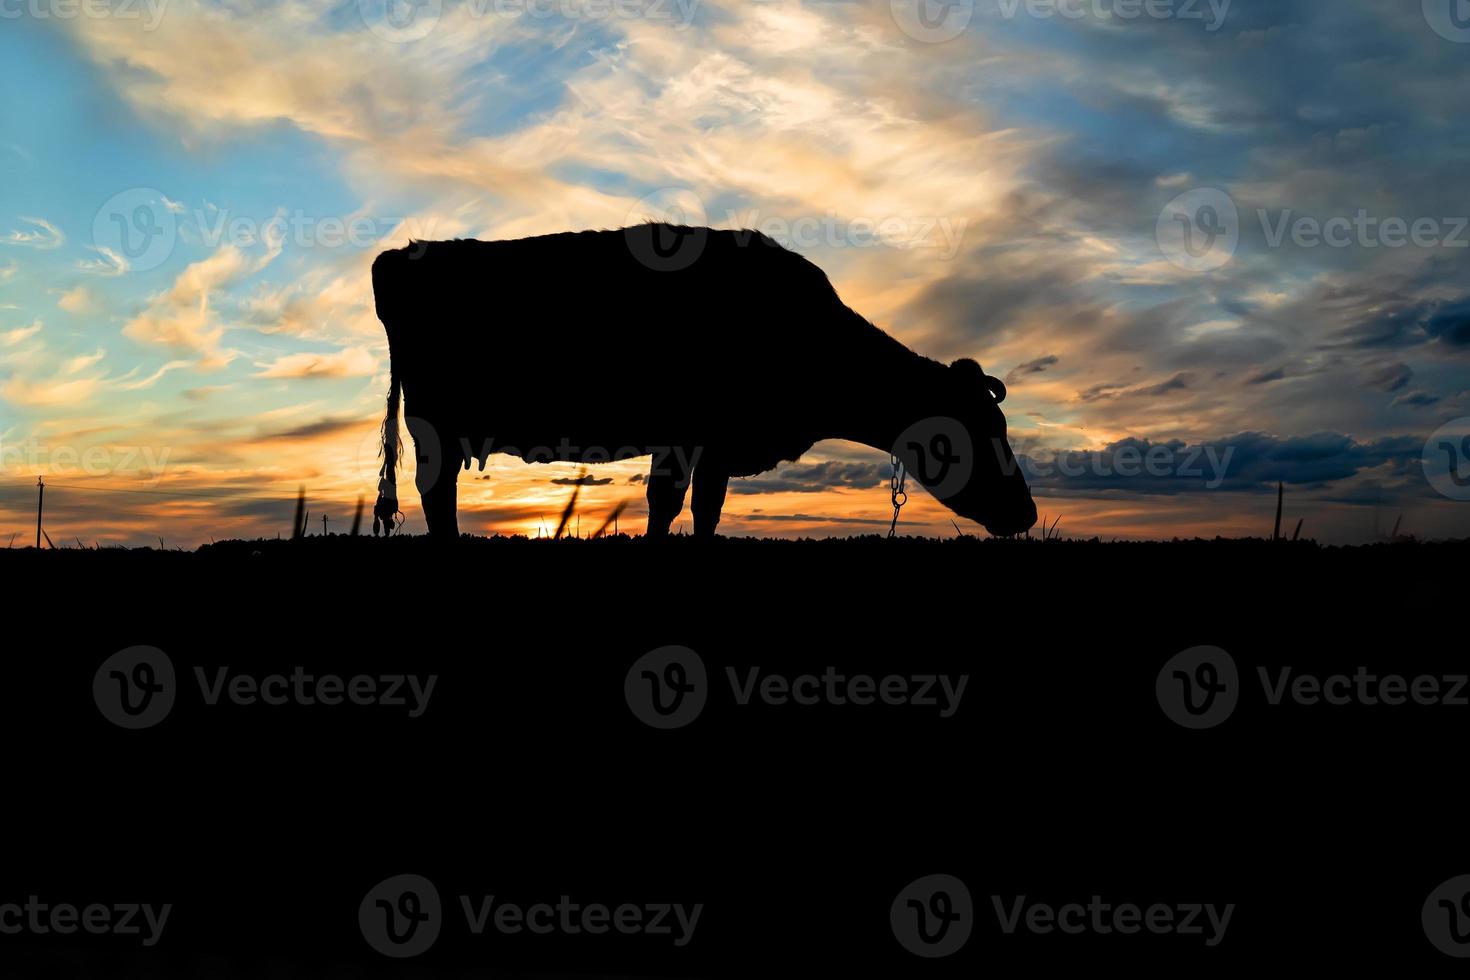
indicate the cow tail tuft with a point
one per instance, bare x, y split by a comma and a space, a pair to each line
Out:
385, 511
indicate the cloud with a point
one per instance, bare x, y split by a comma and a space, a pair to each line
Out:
130, 382
581, 481
1035, 366
53, 393
79, 363
352, 362
815, 478
1246, 462
10, 338
77, 300
42, 235
182, 317
110, 264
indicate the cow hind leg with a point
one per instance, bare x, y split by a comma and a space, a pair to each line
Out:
436, 479
711, 480
668, 481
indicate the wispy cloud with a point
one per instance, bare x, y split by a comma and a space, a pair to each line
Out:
353, 362
42, 235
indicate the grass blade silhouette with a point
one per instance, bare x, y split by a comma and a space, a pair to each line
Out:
1280, 492
566, 512
299, 527
357, 518
612, 519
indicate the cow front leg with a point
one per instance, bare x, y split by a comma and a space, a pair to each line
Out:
436, 478
668, 481
711, 480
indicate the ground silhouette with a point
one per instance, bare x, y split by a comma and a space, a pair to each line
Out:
528, 776
718, 353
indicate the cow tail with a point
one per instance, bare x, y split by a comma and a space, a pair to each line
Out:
385, 511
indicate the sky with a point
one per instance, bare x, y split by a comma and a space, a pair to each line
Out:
1210, 246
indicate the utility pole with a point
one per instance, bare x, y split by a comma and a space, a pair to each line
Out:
324, 525
40, 504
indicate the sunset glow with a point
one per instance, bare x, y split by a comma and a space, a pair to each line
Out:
191, 198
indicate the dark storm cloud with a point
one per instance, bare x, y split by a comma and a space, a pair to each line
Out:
587, 480
815, 478
1299, 110
1246, 462
1036, 366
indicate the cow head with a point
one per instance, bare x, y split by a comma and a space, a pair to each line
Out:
960, 453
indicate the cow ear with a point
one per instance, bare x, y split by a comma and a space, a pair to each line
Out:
969, 370
971, 373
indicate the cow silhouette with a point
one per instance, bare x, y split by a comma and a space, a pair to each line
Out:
718, 353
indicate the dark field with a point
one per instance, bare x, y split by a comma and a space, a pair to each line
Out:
527, 776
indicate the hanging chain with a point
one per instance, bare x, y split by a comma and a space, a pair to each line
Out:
897, 492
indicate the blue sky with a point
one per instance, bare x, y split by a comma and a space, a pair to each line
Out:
1018, 156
